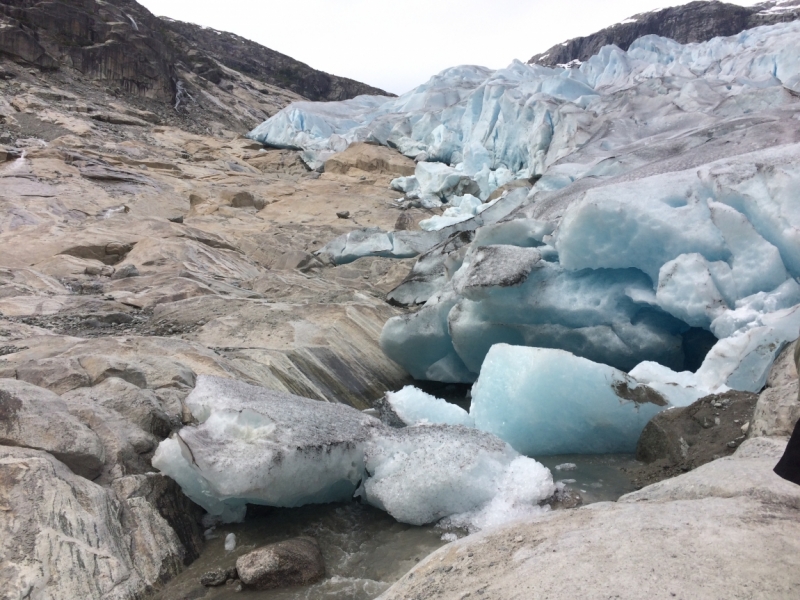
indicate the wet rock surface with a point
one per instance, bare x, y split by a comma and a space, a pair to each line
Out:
682, 439
293, 562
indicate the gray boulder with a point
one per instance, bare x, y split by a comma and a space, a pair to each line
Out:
292, 562
778, 408
63, 537
33, 417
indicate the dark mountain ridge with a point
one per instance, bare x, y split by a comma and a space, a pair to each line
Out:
693, 22
122, 44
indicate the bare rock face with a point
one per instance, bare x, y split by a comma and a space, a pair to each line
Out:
362, 159
291, 562
778, 408
33, 417
63, 537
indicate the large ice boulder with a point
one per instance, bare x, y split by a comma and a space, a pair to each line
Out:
254, 445
425, 473
544, 402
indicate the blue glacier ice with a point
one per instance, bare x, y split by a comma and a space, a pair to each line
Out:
661, 196
544, 402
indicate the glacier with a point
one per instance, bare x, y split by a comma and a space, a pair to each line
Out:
251, 445
661, 199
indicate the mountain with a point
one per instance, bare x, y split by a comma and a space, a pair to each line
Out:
693, 22
208, 76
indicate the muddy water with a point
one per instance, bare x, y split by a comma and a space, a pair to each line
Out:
365, 549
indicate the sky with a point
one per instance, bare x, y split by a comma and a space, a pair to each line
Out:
396, 45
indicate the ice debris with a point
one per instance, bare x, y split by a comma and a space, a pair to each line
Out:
253, 445
544, 402
412, 406
425, 473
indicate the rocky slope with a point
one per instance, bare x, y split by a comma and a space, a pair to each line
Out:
693, 22
140, 246
187, 75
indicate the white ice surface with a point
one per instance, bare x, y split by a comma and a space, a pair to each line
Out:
257, 446
416, 407
424, 473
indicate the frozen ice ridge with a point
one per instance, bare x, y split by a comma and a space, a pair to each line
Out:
256, 446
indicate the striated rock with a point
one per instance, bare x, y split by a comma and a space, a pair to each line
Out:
164, 495
778, 407
36, 418
64, 537
291, 562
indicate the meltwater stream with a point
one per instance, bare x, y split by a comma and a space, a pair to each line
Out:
365, 549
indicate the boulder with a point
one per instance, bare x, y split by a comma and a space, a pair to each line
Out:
63, 537
32, 417
682, 439
292, 562
778, 407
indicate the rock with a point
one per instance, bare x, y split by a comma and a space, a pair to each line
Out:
243, 199
720, 531
218, 576
695, 22
404, 222
62, 536
126, 271
292, 562
778, 407
165, 497
360, 158
36, 418
682, 439
143, 408
344, 214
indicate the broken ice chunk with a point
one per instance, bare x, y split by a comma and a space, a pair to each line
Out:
424, 473
263, 447
412, 406
544, 402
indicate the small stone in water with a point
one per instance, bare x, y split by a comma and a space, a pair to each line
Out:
217, 577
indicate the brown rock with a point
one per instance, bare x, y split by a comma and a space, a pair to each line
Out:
683, 439
291, 562
365, 158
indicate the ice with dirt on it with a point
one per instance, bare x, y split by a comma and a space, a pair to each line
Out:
258, 446
426, 473
546, 402
414, 407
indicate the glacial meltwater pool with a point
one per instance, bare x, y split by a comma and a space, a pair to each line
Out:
365, 549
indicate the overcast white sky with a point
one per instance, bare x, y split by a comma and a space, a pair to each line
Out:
398, 44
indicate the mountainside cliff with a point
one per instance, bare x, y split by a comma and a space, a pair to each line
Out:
693, 22
208, 76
